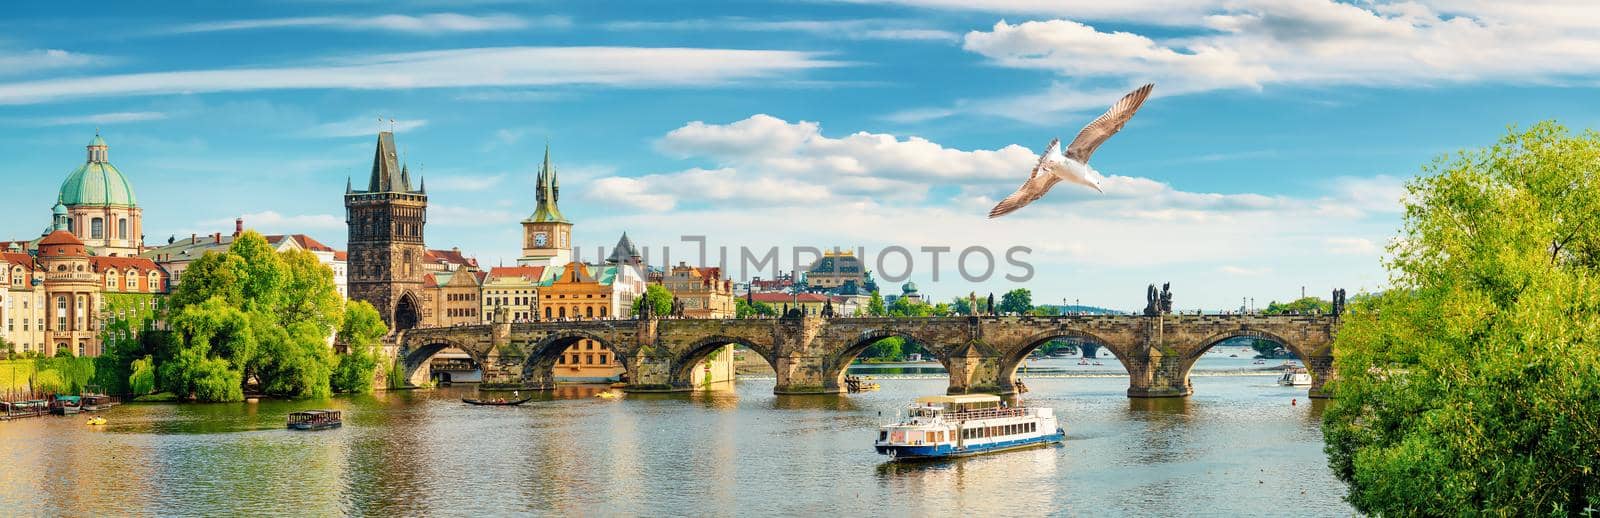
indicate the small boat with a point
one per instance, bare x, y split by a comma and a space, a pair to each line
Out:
92, 402
956, 426
496, 401
1097, 362
96, 421
315, 420
1233, 356
1083, 361
66, 405
1259, 362
1295, 377
607, 395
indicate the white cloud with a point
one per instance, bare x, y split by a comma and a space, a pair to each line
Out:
1350, 246
466, 182
472, 67
438, 23
1258, 44
361, 127
20, 62
857, 29
100, 119
1138, 11
1243, 271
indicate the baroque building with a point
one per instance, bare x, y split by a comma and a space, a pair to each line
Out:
100, 207
386, 249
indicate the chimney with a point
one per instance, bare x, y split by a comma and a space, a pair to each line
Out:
217, 237
194, 238
238, 226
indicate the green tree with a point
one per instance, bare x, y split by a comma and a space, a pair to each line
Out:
659, 299
743, 309
251, 314
904, 307
1473, 386
49, 382
890, 348
362, 329
1303, 306
1018, 301
143, 379
63, 352
875, 305
959, 306
1045, 311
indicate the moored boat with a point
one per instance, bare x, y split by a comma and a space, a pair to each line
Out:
1295, 377
315, 420
66, 405
961, 425
496, 402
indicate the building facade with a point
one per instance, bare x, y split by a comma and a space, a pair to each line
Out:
515, 289
386, 247
577, 291
702, 291
55, 297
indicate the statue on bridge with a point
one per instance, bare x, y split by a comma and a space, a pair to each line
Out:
991, 304
972, 303
1338, 302
1152, 301
827, 308
1166, 298
677, 307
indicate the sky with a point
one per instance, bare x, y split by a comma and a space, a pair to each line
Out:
1272, 156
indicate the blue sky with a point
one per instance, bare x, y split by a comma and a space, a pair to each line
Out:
1272, 155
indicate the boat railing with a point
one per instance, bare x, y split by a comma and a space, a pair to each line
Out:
986, 413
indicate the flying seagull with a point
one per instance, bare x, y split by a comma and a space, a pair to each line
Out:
1074, 166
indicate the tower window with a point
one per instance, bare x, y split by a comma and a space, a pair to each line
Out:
122, 228
97, 228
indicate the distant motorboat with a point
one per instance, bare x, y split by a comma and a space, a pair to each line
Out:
1083, 361
1098, 363
1295, 377
1259, 362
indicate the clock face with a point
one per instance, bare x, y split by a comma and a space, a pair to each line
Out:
541, 239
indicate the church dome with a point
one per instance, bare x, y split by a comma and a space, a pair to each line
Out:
97, 183
909, 288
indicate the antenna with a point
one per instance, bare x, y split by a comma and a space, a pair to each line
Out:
391, 125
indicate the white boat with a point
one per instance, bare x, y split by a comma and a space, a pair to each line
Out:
961, 425
1295, 377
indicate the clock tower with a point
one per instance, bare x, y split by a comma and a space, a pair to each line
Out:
546, 235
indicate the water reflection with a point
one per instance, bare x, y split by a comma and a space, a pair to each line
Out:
1235, 448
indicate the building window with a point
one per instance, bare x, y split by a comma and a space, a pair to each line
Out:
574, 359
547, 312
561, 359
122, 228
603, 359
602, 311
97, 228
61, 312
111, 280
80, 349
563, 312
588, 312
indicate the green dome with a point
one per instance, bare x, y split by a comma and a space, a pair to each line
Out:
908, 288
97, 182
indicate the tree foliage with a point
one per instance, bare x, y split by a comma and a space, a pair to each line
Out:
748, 309
1018, 301
362, 329
1302, 306
1473, 386
143, 379
875, 305
659, 299
905, 307
254, 315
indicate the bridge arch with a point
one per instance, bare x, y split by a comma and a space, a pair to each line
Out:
1013, 359
838, 363
1294, 347
543, 355
683, 364
420, 351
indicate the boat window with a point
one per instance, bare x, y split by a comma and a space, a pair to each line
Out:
883, 435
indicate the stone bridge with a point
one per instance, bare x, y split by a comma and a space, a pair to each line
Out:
810, 353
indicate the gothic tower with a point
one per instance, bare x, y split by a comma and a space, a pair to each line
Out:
386, 247
546, 235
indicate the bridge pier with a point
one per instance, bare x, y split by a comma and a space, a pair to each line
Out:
1157, 375
804, 375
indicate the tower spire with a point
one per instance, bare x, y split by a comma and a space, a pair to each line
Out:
548, 193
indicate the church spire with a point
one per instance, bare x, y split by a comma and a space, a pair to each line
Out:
549, 192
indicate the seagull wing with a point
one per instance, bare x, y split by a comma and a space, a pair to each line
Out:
1032, 189
1107, 124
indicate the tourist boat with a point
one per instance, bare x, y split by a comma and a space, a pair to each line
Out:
1295, 377
956, 426
66, 405
496, 401
315, 420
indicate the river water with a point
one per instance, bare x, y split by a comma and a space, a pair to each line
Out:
1238, 447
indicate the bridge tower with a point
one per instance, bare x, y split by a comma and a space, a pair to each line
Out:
385, 224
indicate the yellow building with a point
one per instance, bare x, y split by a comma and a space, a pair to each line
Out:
579, 291
515, 289
55, 298
704, 294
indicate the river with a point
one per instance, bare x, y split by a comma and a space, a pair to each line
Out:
1238, 447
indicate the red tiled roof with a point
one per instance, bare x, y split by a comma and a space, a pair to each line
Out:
19, 258
429, 282
527, 272
341, 255
60, 237
122, 263
449, 256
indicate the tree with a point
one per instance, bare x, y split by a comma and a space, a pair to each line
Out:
1303, 306
362, 329
1018, 301
251, 314
875, 305
745, 309
1045, 311
1473, 385
890, 348
960, 306
659, 299
143, 379
905, 307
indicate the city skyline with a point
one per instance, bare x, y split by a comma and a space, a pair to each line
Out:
1248, 178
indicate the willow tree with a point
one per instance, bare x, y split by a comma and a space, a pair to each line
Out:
1473, 385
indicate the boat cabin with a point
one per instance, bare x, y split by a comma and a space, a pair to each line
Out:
961, 402
315, 419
